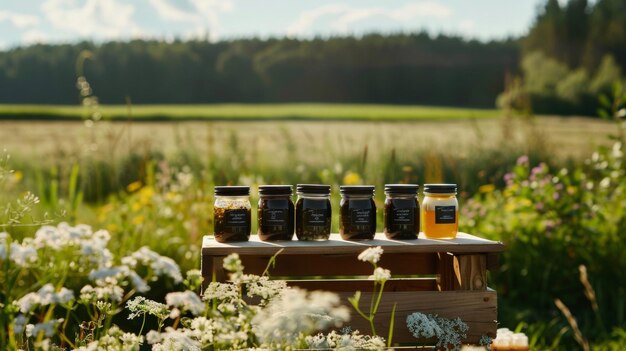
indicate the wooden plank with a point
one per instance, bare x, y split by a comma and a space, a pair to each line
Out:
447, 278
288, 265
471, 273
476, 308
352, 285
464, 243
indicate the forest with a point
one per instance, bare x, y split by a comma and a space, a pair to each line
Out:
571, 54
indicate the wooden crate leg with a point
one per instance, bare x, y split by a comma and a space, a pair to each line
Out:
446, 272
461, 272
218, 269
472, 272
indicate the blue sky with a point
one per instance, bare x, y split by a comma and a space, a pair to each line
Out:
25, 22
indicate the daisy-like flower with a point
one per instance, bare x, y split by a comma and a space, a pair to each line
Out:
380, 275
371, 255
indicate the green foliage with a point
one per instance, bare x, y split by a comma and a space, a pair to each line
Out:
394, 68
552, 222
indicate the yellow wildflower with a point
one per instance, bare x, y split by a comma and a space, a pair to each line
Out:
487, 188
134, 186
352, 178
18, 176
137, 220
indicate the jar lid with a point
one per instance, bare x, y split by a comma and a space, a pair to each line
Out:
440, 188
357, 189
275, 189
321, 189
232, 190
402, 189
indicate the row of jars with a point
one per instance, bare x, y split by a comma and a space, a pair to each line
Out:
312, 213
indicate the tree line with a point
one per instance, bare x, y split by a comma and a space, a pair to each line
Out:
395, 69
572, 52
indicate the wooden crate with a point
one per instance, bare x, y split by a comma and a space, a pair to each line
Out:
446, 277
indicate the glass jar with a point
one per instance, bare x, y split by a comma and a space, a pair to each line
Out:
275, 212
231, 213
358, 212
402, 211
313, 212
440, 210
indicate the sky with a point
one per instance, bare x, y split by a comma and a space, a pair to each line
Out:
24, 22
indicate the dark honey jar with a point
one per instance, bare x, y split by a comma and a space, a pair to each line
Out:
402, 211
231, 213
313, 212
358, 212
275, 212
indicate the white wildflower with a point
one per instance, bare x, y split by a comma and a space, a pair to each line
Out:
140, 305
380, 275
174, 313
46, 295
371, 255
232, 263
48, 328
221, 292
153, 337
345, 341
28, 302
176, 340
113, 274
23, 255
161, 265
187, 301
131, 341
263, 287
449, 332
19, 323
423, 326
3, 245
296, 312
202, 329
617, 148
605, 182
102, 291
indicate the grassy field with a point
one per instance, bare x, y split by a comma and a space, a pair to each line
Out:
246, 112
306, 140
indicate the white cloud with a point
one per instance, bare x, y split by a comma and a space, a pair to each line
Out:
170, 12
204, 19
467, 26
19, 20
343, 16
34, 36
103, 19
308, 18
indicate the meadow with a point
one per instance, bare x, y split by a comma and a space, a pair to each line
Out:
251, 112
150, 184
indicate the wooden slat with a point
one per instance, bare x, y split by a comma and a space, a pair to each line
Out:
464, 243
338, 264
352, 285
476, 308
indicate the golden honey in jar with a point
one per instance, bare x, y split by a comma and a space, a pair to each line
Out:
440, 210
